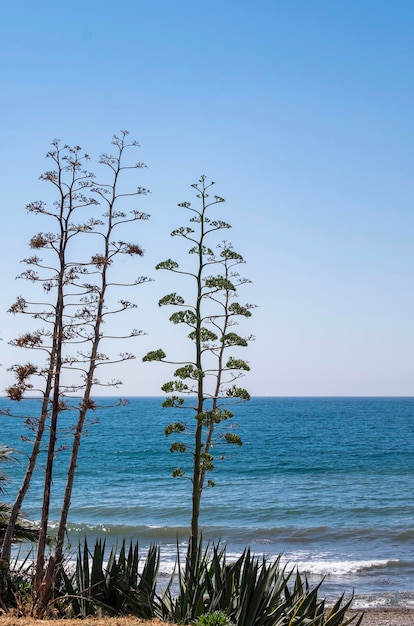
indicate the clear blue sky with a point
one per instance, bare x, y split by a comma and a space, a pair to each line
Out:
301, 111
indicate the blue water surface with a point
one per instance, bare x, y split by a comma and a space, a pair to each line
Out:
326, 482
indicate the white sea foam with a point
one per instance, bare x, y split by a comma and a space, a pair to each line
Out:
338, 568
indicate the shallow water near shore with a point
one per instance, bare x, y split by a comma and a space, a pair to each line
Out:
327, 483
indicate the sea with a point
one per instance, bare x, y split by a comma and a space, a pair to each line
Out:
326, 484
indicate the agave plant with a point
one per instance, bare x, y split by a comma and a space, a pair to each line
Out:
113, 585
191, 600
258, 593
250, 592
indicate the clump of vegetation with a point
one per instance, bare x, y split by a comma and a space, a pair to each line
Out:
250, 592
246, 592
211, 374
216, 618
112, 584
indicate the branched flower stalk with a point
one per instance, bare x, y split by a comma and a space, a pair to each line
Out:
73, 313
211, 375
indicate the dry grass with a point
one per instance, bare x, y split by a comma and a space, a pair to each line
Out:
372, 617
10, 620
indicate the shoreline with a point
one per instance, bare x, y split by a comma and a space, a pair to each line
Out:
389, 616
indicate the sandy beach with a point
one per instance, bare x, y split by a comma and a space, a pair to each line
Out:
386, 617
372, 617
